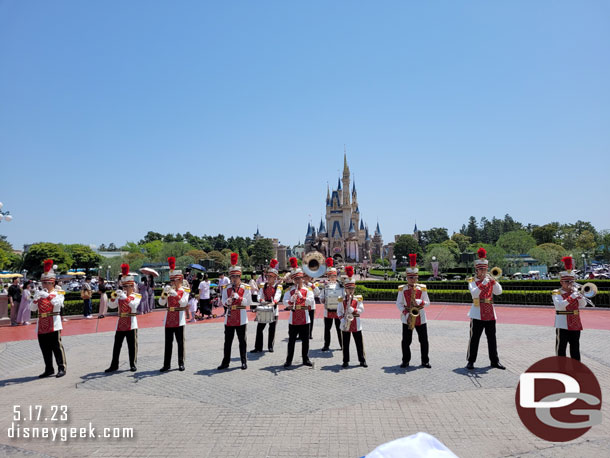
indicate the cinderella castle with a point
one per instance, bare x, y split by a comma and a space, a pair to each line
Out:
344, 236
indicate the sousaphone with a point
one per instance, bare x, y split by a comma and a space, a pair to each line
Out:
314, 264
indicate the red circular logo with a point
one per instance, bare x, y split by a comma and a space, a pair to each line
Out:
558, 399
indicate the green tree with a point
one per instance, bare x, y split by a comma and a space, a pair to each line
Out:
434, 235
604, 248
586, 241
219, 259
38, 252
462, 240
8, 259
546, 233
403, 246
175, 249
549, 254
444, 257
262, 252
472, 229
83, 257
516, 242
150, 237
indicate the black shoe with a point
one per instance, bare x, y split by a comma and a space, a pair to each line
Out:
222, 366
133, 368
364, 364
427, 365
404, 365
311, 337
244, 366
470, 366
255, 351
164, 369
270, 349
46, 374
112, 369
61, 373
498, 366
181, 368
345, 364
325, 348
307, 363
287, 364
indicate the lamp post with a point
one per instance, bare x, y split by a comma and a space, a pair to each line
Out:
584, 266
6, 215
434, 265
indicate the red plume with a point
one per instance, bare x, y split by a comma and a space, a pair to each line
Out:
234, 258
172, 263
482, 252
412, 259
330, 262
349, 271
293, 262
273, 264
568, 262
125, 269
48, 265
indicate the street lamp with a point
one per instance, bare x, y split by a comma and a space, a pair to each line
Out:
108, 273
584, 266
6, 215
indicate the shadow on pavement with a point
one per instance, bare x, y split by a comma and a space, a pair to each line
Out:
137, 376
275, 370
338, 367
15, 381
399, 370
476, 371
96, 375
211, 372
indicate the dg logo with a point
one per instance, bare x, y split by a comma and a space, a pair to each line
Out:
559, 399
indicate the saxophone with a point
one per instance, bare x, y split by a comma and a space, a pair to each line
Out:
413, 311
349, 316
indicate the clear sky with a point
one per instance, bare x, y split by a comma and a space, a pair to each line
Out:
117, 117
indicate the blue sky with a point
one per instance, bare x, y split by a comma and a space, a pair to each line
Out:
212, 117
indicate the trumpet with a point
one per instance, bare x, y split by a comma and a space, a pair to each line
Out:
495, 273
164, 293
114, 295
587, 291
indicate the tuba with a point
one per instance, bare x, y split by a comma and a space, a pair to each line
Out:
314, 264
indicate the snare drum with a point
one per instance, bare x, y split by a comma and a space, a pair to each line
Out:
264, 314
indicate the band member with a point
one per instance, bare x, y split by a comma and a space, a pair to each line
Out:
236, 298
567, 300
176, 297
330, 297
299, 300
411, 302
349, 311
48, 303
482, 314
269, 293
127, 325
315, 288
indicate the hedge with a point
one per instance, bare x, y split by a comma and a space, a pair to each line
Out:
525, 297
533, 285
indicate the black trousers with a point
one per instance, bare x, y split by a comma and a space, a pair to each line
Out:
132, 346
407, 338
476, 330
258, 345
300, 331
565, 337
312, 314
205, 307
170, 333
50, 344
230, 332
328, 323
359, 346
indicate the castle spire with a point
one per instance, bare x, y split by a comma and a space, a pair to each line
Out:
345, 167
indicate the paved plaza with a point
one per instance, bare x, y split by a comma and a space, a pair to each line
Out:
269, 411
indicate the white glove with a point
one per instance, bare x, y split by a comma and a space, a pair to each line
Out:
172, 292
350, 309
486, 280
121, 295
167, 289
43, 294
574, 295
235, 296
299, 295
418, 301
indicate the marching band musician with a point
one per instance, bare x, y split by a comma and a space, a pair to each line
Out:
482, 314
270, 292
127, 325
567, 301
349, 311
299, 300
237, 298
411, 302
176, 297
48, 303
329, 296
315, 288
